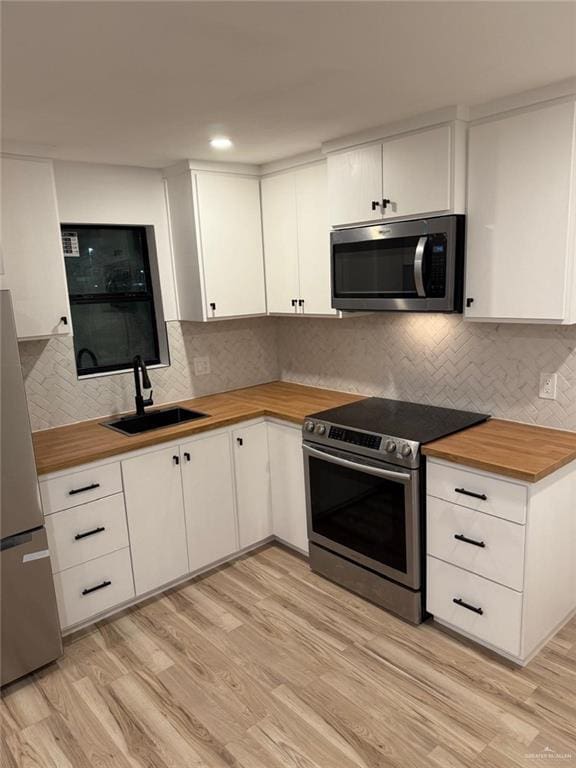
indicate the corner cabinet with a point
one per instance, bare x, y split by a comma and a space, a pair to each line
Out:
297, 241
33, 260
521, 224
413, 174
217, 240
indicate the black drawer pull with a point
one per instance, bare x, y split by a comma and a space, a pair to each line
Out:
187, 456
461, 537
98, 586
89, 533
86, 488
176, 459
468, 607
481, 496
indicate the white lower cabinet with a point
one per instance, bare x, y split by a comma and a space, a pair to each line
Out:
501, 557
208, 485
155, 511
93, 587
287, 485
252, 483
155, 516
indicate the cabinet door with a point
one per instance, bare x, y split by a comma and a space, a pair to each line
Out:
155, 511
519, 184
208, 485
354, 182
314, 239
416, 173
252, 484
280, 242
231, 236
33, 261
287, 485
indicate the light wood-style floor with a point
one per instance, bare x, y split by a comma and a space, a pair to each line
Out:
262, 664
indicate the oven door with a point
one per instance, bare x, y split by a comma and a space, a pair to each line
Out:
365, 510
399, 266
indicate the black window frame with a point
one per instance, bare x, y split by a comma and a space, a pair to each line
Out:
107, 298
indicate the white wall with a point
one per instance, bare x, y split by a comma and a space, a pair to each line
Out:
117, 194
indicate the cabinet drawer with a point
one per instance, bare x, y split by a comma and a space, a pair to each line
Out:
83, 533
501, 558
79, 487
485, 493
499, 624
93, 587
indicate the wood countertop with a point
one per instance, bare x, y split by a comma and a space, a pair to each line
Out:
86, 441
522, 451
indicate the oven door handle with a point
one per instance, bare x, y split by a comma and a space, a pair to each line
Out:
398, 477
419, 266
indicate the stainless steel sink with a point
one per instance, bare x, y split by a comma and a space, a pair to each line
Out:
133, 425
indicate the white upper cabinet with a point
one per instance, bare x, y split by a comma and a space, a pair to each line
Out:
217, 239
355, 185
416, 173
406, 176
521, 217
280, 242
33, 260
297, 241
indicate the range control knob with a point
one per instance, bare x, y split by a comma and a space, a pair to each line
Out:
320, 429
406, 451
390, 446
309, 426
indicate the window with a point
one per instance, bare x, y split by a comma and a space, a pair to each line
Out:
111, 286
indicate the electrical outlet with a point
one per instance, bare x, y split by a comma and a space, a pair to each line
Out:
201, 366
548, 386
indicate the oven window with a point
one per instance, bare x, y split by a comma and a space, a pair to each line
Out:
375, 268
362, 512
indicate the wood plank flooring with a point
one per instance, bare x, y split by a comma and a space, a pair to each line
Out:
263, 664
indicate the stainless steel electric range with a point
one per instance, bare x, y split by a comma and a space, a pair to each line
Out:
365, 496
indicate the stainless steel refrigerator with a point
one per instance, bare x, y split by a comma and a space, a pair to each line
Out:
29, 631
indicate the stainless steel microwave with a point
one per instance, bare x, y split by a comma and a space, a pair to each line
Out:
413, 266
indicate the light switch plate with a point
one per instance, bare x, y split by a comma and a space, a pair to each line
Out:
201, 366
548, 383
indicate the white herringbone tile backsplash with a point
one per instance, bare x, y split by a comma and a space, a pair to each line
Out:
436, 359
242, 353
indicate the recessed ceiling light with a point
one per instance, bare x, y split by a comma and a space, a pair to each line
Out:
221, 142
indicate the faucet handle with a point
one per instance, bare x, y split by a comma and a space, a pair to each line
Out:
148, 400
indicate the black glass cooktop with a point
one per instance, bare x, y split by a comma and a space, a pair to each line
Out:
397, 418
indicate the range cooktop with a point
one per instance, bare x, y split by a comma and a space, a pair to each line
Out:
390, 429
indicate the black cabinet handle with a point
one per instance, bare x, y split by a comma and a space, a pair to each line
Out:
98, 586
468, 607
385, 203
469, 302
240, 441
64, 320
176, 459
461, 537
213, 306
481, 496
187, 456
375, 204
294, 302
90, 487
89, 533
300, 302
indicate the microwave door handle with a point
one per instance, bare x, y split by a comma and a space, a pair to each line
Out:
399, 477
418, 266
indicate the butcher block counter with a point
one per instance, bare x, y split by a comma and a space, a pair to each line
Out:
86, 441
508, 448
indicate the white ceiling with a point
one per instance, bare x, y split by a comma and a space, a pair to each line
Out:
148, 83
